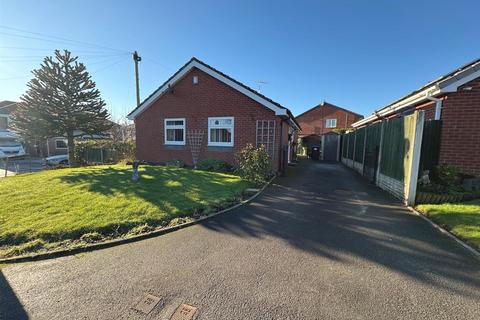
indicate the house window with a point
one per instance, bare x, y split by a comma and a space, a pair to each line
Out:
331, 123
61, 144
175, 131
220, 131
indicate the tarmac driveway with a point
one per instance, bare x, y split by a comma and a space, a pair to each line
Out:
319, 244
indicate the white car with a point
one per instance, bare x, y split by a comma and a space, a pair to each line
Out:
59, 160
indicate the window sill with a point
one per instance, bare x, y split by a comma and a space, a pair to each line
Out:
220, 148
174, 146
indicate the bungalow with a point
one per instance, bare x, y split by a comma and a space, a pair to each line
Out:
202, 108
455, 100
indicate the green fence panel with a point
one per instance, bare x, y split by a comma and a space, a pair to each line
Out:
351, 145
344, 145
360, 144
432, 131
372, 146
393, 148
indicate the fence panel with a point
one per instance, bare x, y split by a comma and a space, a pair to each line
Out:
393, 149
432, 131
372, 149
360, 144
351, 145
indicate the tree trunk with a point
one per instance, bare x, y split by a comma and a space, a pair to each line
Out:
71, 150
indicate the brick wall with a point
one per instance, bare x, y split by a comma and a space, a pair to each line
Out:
313, 121
209, 98
460, 145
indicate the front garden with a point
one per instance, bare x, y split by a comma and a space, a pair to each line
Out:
62, 208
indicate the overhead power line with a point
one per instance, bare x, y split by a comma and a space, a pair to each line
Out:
50, 38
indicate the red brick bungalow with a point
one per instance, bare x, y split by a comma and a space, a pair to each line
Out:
455, 99
200, 100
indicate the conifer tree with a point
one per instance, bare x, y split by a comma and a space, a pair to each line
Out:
61, 100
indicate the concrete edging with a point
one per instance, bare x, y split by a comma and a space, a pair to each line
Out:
471, 249
116, 242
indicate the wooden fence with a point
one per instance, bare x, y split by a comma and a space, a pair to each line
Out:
391, 152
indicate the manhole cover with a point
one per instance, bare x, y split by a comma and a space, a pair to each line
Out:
184, 312
147, 303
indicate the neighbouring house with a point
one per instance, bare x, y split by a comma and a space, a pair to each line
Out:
203, 110
318, 124
455, 100
44, 147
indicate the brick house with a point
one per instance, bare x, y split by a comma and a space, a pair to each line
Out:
200, 100
324, 118
321, 120
455, 99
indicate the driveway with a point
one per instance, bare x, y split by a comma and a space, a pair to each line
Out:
319, 244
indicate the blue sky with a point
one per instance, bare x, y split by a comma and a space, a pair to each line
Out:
360, 55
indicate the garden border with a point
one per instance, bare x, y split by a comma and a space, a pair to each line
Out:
116, 242
465, 245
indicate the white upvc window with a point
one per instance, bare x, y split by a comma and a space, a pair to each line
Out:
221, 131
175, 131
61, 144
331, 123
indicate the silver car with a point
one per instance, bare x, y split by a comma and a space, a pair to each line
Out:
54, 161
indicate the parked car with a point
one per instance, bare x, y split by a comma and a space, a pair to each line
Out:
54, 161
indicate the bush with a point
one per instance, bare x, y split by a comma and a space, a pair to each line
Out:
254, 164
106, 151
445, 179
216, 165
175, 163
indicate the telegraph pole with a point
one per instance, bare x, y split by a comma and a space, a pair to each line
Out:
136, 60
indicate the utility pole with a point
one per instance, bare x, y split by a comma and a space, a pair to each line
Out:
136, 59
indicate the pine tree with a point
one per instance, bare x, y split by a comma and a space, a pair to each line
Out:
61, 100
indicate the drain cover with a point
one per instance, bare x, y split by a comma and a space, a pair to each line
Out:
184, 312
147, 303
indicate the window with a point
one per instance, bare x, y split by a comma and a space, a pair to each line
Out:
220, 131
331, 123
61, 144
175, 131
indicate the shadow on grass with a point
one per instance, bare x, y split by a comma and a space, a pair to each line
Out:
10, 306
327, 210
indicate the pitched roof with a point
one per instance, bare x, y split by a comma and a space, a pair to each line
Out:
444, 84
325, 103
6, 106
196, 63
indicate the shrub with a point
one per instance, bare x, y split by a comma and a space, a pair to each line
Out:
254, 164
175, 163
106, 151
216, 165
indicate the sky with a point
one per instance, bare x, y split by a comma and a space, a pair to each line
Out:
360, 55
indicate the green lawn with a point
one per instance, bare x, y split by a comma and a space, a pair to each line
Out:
462, 219
58, 205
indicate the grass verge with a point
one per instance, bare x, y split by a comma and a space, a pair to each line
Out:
73, 207
461, 219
